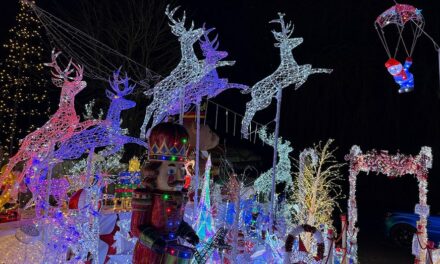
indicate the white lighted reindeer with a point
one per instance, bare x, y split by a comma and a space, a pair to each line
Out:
263, 183
190, 70
287, 73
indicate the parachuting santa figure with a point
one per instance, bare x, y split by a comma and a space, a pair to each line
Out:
158, 208
401, 74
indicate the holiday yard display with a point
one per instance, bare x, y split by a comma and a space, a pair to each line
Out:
158, 209
392, 166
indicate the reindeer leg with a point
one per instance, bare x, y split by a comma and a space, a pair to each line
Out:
151, 108
248, 116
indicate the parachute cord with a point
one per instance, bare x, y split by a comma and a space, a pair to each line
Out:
400, 30
384, 41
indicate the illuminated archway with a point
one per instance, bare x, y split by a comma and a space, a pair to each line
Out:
392, 166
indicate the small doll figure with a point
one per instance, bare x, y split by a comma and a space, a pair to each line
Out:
158, 207
401, 74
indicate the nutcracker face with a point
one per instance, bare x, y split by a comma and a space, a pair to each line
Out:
171, 176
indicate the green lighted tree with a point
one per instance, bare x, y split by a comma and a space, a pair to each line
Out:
24, 103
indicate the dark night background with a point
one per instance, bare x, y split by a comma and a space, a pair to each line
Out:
357, 104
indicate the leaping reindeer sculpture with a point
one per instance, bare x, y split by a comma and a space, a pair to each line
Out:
61, 126
210, 85
189, 71
287, 73
108, 134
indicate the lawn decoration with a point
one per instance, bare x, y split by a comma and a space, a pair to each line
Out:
392, 166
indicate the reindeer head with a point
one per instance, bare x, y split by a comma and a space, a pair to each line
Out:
117, 95
209, 47
61, 78
283, 37
189, 36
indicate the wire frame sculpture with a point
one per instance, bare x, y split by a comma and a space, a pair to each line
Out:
211, 84
287, 73
108, 134
393, 166
263, 184
61, 126
189, 71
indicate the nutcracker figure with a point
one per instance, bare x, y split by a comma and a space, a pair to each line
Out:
158, 207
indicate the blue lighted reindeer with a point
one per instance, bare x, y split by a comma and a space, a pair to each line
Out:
109, 134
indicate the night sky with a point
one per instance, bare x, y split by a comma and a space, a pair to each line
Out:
357, 104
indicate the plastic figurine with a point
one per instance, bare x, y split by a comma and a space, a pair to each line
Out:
158, 208
401, 74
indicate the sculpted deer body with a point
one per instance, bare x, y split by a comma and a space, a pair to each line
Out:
210, 85
108, 134
287, 73
189, 71
283, 168
61, 126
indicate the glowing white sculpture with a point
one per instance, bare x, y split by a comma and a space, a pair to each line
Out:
263, 184
190, 70
287, 73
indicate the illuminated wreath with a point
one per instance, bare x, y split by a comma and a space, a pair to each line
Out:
301, 255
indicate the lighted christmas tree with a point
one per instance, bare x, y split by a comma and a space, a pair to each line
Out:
24, 103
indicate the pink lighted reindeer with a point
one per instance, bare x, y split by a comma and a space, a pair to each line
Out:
61, 126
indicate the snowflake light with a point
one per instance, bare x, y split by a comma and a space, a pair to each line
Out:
263, 184
287, 73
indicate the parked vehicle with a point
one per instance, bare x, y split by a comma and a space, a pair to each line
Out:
401, 226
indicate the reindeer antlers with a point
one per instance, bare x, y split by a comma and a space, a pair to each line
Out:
64, 74
286, 30
114, 84
214, 43
178, 26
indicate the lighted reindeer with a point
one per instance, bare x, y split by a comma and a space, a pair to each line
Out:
210, 85
287, 73
108, 134
189, 71
61, 126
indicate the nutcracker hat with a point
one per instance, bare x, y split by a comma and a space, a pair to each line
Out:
168, 141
